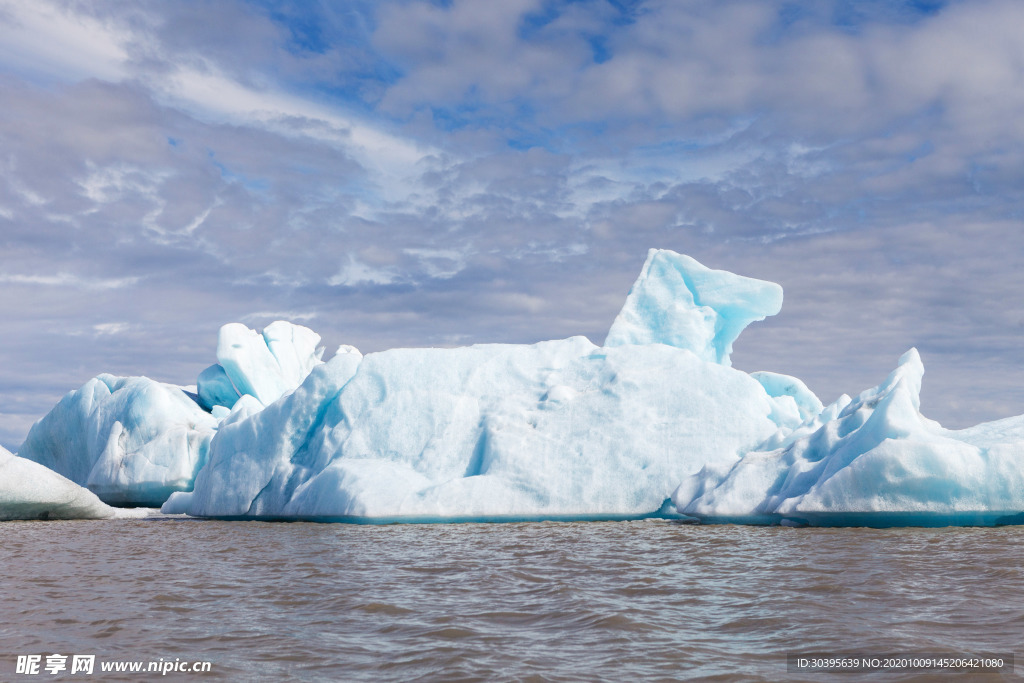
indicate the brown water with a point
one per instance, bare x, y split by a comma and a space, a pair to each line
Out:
616, 601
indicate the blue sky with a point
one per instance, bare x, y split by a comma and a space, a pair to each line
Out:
445, 173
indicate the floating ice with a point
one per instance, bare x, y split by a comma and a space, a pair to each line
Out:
679, 302
655, 422
129, 440
874, 460
556, 429
30, 491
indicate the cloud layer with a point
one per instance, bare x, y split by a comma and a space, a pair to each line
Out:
416, 173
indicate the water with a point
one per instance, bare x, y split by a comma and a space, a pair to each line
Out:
615, 601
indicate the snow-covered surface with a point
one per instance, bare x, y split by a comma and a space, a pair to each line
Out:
655, 422
30, 491
129, 440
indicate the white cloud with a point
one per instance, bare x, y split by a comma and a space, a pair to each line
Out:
439, 263
198, 221
111, 183
62, 44
111, 328
281, 315
518, 301
391, 160
677, 62
68, 280
38, 38
355, 272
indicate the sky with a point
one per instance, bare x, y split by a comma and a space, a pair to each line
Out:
415, 173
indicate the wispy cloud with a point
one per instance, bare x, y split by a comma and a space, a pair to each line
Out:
425, 173
111, 328
68, 280
46, 40
355, 272
291, 316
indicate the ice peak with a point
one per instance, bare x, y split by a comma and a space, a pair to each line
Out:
680, 302
265, 366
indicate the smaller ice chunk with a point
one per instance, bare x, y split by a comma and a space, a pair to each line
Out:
348, 348
295, 348
793, 403
30, 491
265, 366
244, 408
680, 302
875, 461
130, 440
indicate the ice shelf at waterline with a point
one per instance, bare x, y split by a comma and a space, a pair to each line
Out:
654, 422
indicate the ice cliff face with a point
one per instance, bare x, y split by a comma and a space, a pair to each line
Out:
561, 428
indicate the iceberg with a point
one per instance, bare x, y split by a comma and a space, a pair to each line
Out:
129, 440
870, 461
558, 429
30, 491
654, 423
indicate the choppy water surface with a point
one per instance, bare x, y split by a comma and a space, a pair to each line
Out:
610, 601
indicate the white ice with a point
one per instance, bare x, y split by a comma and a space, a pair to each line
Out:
264, 366
555, 429
559, 428
30, 491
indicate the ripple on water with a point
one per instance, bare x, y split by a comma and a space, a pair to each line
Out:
533, 601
